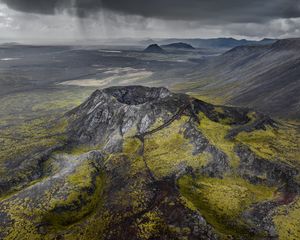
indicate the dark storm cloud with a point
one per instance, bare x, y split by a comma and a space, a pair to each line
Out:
207, 11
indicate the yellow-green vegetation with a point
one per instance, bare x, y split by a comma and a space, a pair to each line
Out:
132, 149
133, 196
90, 228
287, 221
72, 197
216, 132
131, 146
282, 143
85, 188
17, 107
22, 227
81, 149
221, 201
30, 137
29, 121
150, 225
167, 149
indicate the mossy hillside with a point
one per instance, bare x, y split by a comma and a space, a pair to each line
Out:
22, 227
132, 171
151, 225
81, 212
85, 188
134, 194
167, 150
35, 134
70, 198
222, 201
91, 227
287, 221
216, 133
29, 120
24, 148
132, 146
19, 107
133, 153
282, 143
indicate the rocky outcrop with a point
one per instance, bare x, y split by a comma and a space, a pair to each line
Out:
251, 167
111, 113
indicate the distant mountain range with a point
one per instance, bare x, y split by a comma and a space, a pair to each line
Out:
209, 43
265, 77
195, 42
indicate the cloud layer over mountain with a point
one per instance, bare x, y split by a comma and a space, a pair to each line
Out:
144, 18
208, 10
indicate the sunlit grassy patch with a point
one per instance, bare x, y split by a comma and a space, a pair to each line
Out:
287, 221
131, 145
80, 198
167, 150
17, 107
216, 132
85, 188
31, 136
81, 149
282, 143
150, 225
221, 201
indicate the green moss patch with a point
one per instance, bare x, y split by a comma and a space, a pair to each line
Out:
85, 187
222, 201
150, 225
31, 135
287, 221
165, 151
282, 143
216, 134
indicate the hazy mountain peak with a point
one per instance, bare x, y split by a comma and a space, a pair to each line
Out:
179, 45
154, 48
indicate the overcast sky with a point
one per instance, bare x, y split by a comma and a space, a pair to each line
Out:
61, 20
